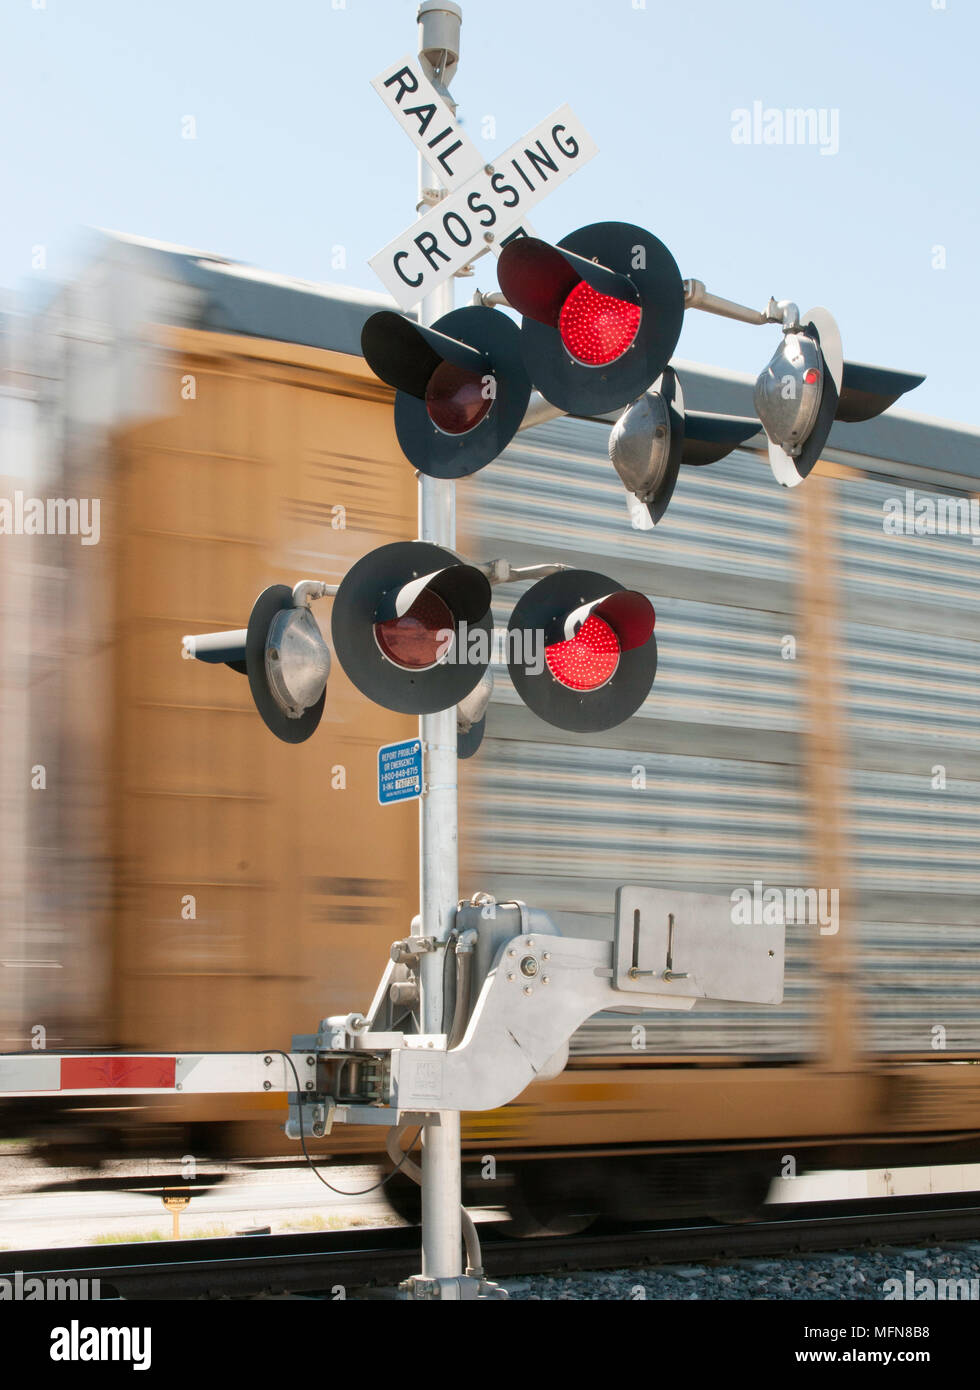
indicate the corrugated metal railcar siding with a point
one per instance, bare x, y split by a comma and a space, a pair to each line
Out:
274, 850
701, 790
912, 664
555, 490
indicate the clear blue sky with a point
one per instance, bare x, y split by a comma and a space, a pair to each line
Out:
295, 154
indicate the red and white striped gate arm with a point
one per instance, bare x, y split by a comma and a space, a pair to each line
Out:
137, 1073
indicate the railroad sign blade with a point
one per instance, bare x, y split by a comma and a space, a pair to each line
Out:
399, 772
484, 209
428, 122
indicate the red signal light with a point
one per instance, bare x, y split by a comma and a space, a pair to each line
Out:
811, 376
417, 639
457, 399
597, 328
599, 649
587, 660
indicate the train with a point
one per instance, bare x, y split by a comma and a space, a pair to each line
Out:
181, 880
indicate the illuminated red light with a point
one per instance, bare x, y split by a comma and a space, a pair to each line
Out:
456, 399
811, 376
416, 640
586, 660
597, 328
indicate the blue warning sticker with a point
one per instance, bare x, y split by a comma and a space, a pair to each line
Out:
399, 772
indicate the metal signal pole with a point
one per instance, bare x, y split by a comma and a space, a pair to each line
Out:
439, 25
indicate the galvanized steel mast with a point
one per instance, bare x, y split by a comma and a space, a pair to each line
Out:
439, 25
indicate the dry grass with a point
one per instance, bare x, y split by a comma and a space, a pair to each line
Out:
134, 1237
316, 1222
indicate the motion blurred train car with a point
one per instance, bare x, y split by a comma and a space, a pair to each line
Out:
190, 882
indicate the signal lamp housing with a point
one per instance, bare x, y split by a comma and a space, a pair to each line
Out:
808, 385
403, 620
797, 395
603, 311
585, 655
462, 388
654, 436
283, 653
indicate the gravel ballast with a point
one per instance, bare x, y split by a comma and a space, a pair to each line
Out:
860, 1275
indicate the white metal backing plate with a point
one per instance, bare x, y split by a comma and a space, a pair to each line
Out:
659, 930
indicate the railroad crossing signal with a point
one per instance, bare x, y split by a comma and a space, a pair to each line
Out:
797, 395
655, 435
462, 389
603, 311
582, 654
807, 385
398, 629
411, 627
282, 652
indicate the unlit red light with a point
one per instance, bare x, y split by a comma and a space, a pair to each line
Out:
416, 640
456, 399
597, 328
586, 660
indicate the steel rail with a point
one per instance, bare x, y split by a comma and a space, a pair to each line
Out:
354, 1259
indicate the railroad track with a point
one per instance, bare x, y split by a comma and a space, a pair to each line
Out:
364, 1258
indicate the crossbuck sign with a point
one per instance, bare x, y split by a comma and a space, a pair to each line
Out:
485, 203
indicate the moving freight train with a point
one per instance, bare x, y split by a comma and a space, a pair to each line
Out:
184, 880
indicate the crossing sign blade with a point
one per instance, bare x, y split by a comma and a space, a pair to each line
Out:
428, 121
484, 209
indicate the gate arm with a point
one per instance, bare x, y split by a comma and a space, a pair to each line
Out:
140, 1073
